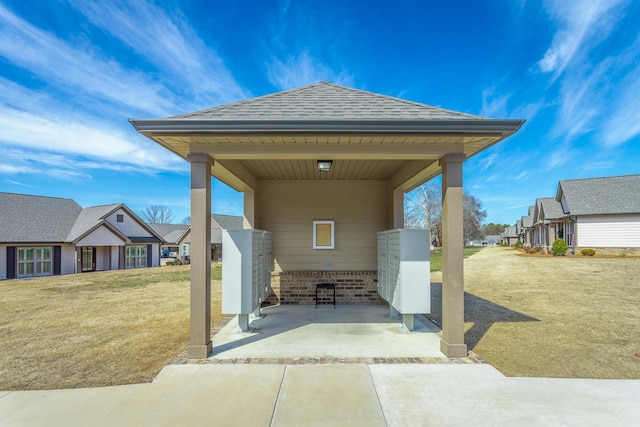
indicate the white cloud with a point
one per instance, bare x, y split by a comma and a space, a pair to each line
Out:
623, 122
494, 106
302, 70
78, 69
580, 24
165, 38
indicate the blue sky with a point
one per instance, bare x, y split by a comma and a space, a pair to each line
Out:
73, 71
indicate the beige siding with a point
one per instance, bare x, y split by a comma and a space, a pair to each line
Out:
610, 231
288, 208
101, 236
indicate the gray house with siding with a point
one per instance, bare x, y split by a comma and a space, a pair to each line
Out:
42, 236
601, 213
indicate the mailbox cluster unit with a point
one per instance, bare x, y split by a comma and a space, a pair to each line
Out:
246, 274
404, 269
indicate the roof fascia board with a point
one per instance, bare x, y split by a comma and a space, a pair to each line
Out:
137, 219
107, 225
182, 126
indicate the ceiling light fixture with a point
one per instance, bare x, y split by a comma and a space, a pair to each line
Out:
325, 165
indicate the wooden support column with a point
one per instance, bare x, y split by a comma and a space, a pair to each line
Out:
200, 297
452, 342
249, 220
398, 208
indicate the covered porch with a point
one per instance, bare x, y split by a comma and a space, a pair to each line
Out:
376, 148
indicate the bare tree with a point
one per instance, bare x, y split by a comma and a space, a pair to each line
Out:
186, 220
473, 217
423, 209
157, 214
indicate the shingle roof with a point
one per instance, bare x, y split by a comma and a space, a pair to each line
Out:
88, 219
170, 232
38, 219
601, 196
552, 208
510, 232
228, 222
25, 218
527, 220
326, 101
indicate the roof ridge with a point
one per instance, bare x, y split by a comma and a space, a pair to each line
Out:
35, 195
601, 177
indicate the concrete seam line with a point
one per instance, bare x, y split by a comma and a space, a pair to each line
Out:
375, 389
275, 405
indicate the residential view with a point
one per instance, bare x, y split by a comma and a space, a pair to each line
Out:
319, 214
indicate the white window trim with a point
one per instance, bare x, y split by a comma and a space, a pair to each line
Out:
139, 260
35, 261
333, 234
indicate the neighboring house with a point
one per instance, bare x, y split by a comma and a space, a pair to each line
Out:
218, 223
525, 234
509, 236
171, 234
548, 224
601, 212
489, 240
41, 236
598, 213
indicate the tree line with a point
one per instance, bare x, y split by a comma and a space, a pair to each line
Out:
423, 209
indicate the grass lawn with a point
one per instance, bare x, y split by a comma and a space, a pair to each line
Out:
95, 329
436, 256
574, 317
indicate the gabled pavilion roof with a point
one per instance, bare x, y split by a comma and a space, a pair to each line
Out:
368, 136
326, 101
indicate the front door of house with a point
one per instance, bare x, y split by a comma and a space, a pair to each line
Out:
88, 258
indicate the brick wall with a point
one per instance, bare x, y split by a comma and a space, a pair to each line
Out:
299, 287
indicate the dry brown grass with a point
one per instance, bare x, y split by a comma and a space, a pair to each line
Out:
575, 317
94, 329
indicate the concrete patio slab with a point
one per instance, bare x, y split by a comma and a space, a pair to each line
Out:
350, 331
320, 396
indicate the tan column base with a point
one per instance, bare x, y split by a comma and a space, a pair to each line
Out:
199, 351
453, 350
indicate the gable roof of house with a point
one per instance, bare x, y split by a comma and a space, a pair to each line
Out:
527, 220
601, 196
551, 208
32, 219
89, 219
510, 232
326, 101
39, 219
171, 233
228, 222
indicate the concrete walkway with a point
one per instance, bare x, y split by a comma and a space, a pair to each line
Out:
332, 395
225, 390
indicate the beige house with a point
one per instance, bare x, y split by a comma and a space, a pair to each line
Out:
43, 236
219, 222
324, 168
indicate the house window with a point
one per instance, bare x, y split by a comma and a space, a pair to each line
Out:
135, 256
323, 235
119, 218
185, 251
34, 262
